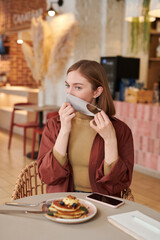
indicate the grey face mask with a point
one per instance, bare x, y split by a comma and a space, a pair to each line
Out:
82, 106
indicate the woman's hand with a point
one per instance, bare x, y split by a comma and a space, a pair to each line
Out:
66, 113
102, 125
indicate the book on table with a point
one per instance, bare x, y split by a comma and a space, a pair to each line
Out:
137, 224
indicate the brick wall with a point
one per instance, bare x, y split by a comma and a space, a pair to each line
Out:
20, 74
4, 15
4, 64
15, 66
144, 121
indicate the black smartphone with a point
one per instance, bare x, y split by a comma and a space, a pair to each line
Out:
105, 200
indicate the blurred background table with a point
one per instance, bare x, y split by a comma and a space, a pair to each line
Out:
41, 110
36, 108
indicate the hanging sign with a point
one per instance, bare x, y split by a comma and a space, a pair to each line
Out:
26, 17
19, 18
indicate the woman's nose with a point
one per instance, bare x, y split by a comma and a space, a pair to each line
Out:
70, 91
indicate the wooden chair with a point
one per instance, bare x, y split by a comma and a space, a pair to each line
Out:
38, 130
24, 125
28, 183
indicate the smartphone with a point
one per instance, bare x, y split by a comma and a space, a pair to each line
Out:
105, 200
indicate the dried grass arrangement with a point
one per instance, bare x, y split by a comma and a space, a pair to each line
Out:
52, 46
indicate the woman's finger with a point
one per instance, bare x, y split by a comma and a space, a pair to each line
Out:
106, 118
93, 125
101, 118
67, 113
97, 120
64, 106
68, 109
72, 115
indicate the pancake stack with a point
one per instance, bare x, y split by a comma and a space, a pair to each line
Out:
68, 208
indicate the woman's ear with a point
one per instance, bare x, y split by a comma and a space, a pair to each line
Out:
98, 92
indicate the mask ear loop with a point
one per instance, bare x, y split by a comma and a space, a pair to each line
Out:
93, 109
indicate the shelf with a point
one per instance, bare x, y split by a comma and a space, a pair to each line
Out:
154, 59
154, 32
17, 90
10, 109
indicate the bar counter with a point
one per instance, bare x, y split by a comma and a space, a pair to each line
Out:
14, 94
18, 90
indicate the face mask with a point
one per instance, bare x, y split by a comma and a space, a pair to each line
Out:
82, 106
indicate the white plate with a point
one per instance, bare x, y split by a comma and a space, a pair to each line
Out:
92, 210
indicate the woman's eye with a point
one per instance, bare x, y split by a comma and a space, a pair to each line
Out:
66, 85
78, 88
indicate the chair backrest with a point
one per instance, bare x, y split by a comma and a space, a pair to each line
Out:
28, 182
127, 194
23, 103
20, 104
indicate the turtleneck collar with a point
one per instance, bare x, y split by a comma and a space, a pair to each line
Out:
83, 116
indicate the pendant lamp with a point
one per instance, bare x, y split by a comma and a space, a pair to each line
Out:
155, 8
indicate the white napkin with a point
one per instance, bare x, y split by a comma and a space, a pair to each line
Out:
82, 106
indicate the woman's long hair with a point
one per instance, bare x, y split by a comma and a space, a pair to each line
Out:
96, 75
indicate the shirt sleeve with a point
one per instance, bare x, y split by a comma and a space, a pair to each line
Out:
119, 175
61, 159
107, 167
49, 168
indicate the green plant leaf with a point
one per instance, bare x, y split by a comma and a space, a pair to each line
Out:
140, 31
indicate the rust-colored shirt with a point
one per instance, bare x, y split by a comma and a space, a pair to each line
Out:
60, 178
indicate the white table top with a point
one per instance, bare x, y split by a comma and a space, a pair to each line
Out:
36, 108
37, 227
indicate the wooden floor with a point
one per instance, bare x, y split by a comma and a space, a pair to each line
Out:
146, 189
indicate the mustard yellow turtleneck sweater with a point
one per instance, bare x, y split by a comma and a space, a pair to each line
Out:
80, 143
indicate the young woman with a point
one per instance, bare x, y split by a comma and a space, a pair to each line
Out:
83, 153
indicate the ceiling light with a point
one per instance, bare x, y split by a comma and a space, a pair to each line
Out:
19, 41
19, 38
155, 8
51, 11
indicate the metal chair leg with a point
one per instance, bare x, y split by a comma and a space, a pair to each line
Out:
10, 136
33, 144
24, 142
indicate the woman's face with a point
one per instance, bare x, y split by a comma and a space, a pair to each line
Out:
78, 86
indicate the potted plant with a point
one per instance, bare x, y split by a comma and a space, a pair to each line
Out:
140, 29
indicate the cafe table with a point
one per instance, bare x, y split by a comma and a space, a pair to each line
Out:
40, 110
38, 227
